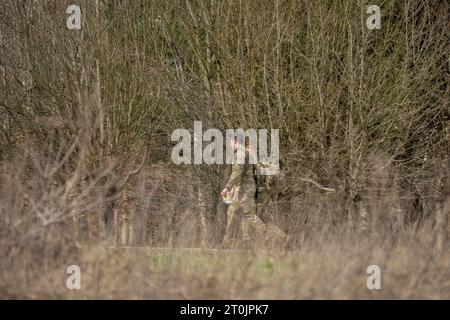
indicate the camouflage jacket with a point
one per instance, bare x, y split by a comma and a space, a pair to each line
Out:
241, 175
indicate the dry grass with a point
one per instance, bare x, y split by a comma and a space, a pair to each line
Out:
331, 269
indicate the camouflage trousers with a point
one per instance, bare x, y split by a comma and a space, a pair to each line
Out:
241, 218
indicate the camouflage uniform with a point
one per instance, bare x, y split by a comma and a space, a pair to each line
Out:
241, 214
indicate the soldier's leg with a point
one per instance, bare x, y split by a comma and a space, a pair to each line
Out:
249, 218
232, 227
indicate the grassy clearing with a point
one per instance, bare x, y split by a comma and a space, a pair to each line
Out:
331, 269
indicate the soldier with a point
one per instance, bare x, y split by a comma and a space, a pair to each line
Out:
241, 214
